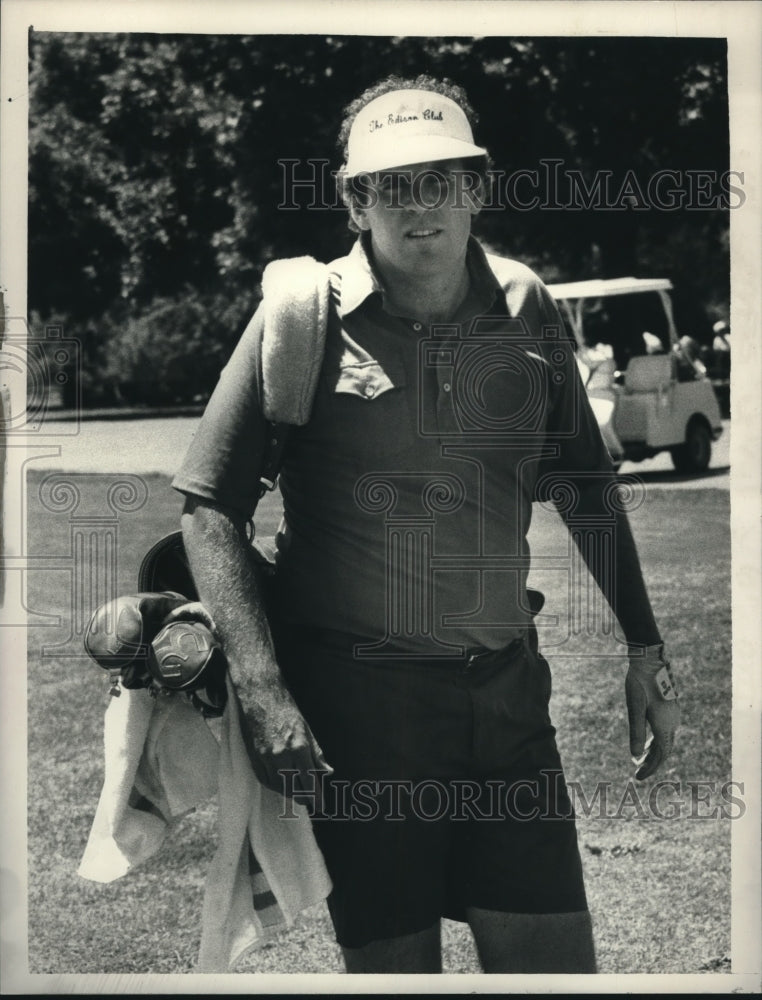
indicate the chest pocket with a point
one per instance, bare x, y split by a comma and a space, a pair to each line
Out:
368, 413
367, 380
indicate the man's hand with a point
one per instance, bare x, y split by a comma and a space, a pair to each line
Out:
274, 732
278, 739
651, 697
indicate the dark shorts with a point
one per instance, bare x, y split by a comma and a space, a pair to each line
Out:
447, 791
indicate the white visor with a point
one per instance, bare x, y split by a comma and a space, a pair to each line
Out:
405, 127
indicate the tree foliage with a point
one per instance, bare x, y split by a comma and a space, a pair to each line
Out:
157, 176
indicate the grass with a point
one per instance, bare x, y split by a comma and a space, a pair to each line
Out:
659, 890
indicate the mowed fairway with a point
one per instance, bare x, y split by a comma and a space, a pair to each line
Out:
659, 889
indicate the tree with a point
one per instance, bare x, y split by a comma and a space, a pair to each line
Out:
158, 163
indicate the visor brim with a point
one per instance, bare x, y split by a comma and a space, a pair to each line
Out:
409, 151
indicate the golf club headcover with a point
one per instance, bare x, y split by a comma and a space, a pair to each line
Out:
119, 634
141, 643
651, 697
185, 656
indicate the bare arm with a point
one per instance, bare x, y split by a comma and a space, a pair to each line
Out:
275, 733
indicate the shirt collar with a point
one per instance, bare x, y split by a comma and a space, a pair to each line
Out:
360, 279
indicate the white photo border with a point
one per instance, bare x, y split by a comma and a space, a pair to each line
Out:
741, 24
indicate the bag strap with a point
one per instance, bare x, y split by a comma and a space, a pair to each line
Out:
272, 458
296, 293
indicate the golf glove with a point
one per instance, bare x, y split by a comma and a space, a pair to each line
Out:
651, 697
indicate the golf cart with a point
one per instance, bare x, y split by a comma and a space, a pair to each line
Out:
648, 390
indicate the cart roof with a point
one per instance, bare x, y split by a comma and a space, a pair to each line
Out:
600, 287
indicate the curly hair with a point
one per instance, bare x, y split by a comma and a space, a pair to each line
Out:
348, 190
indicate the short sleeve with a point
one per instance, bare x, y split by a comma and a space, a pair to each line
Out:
223, 462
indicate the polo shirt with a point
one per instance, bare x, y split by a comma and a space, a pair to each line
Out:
408, 495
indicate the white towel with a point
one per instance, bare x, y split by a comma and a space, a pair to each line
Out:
296, 293
267, 868
161, 761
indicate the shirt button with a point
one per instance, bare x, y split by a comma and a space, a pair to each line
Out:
417, 326
446, 387
370, 390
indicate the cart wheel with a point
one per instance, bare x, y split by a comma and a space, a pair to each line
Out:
695, 454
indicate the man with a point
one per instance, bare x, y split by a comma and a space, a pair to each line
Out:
448, 399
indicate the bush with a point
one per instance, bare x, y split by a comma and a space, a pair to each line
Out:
172, 352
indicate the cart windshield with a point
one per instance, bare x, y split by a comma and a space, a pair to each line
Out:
630, 321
